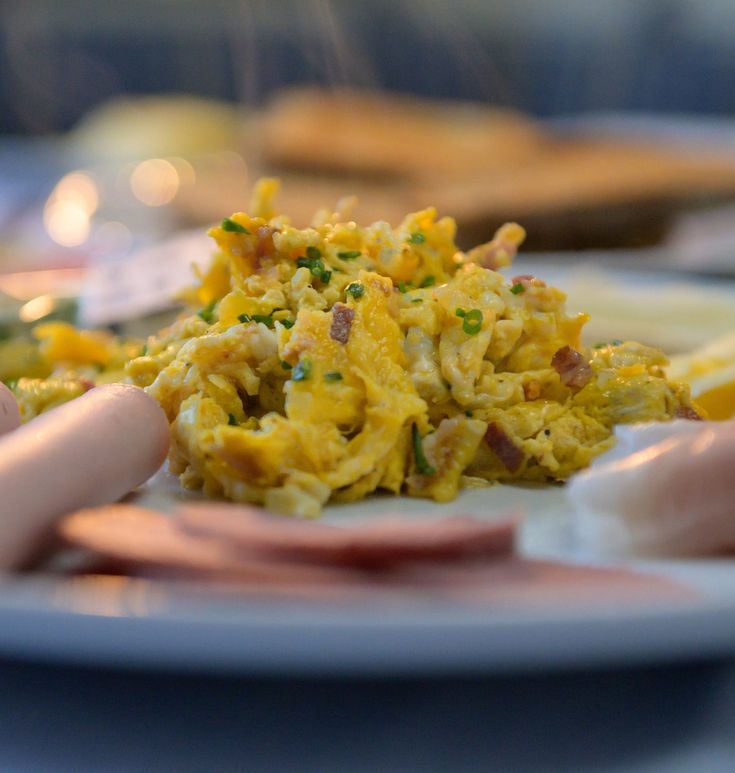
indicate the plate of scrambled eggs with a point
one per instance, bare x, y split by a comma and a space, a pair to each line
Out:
322, 364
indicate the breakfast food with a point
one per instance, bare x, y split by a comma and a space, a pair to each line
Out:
378, 543
461, 559
87, 452
665, 490
337, 360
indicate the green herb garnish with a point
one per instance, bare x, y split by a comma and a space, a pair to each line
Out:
266, 319
287, 323
302, 370
245, 318
313, 261
517, 289
417, 300
605, 344
468, 414
286, 365
472, 322
460, 312
356, 290
349, 254
228, 224
422, 463
207, 313
231, 420
429, 281
333, 375
403, 287
143, 351
417, 238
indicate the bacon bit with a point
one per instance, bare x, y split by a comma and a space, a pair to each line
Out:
86, 384
688, 413
572, 367
505, 449
527, 280
264, 246
342, 317
532, 390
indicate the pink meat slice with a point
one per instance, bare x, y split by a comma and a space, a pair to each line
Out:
384, 541
145, 541
525, 582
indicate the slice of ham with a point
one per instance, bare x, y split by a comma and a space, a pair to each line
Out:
9, 414
143, 541
573, 369
150, 544
382, 542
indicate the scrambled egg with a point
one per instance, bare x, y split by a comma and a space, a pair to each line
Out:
337, 360
61, 364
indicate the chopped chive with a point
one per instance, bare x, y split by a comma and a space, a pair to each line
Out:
207, 313
417, 238
333, 375
313, 262
517, 289
287, 323
286, 365
472, 323
356, 290
417, 300
468, 414
605, 344
429, 281
228, 224
301, 371
266, 319
11, 384
143, 351
349, 254
231, 420
422, 463
460, 312
403, 287
245, 318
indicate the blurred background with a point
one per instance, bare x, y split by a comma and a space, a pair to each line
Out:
607, 129
59, 60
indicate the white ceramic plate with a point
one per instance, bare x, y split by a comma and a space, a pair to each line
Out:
136, 623
133, 623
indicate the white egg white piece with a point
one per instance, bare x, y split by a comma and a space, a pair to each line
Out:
664, 489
